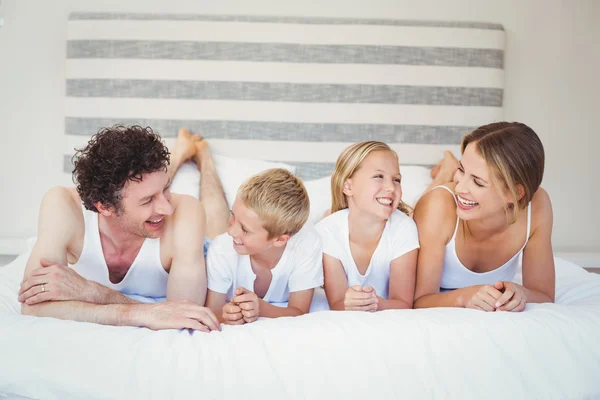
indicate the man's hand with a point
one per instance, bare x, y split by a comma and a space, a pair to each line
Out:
55, 282
359, 298
514, 297
176, 315
248, 303
232, 314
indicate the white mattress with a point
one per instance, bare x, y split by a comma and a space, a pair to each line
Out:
550, 351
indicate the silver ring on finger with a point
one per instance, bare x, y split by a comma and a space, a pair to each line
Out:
43, 288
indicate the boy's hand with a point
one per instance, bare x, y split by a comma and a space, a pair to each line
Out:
232, 314
248, 302
358, 298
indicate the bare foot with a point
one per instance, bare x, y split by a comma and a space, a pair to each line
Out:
445, 170
184, 146
202, 154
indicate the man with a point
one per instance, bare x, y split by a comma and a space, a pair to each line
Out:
131, 237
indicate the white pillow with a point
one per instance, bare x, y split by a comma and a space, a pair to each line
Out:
232, 173
415, 179
319, 193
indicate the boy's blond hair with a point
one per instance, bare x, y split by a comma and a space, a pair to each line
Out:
280, 200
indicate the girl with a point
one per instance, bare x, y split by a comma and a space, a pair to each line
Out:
474, 231
370, 245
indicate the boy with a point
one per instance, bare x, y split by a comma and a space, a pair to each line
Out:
266, 256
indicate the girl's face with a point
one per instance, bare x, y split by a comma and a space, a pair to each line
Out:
374, 188
476, 195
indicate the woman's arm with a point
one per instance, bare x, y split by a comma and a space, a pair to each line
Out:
435, 216
538, 261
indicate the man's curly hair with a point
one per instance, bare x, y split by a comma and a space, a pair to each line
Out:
112, 157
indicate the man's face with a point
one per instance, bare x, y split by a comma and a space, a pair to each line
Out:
145, 204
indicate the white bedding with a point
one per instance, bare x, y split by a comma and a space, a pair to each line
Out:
551, 351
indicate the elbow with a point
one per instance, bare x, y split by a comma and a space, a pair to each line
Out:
418, 302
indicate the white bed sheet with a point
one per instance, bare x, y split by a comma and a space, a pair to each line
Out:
550, 351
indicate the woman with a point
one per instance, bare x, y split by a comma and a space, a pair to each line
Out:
475, 231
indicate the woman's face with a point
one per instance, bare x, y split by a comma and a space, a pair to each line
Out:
476, 195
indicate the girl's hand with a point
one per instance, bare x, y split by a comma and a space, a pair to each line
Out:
484, 298
514, 297
358, 298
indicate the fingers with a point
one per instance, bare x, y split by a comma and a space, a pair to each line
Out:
250, 313
506, 296
356, 288
371, 307
368, 289
239, 321
241, 290
248, 296
247, 306
513, 304
31, 282
486, 301
232, 314
360, 302
499, 286
38, 298
189, 323
231, 308
44, 271
213, 317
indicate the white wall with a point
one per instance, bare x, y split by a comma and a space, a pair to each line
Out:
551, 70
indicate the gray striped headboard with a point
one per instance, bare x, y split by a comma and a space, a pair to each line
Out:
289, 89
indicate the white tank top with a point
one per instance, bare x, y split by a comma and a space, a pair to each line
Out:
146, 276
455, 275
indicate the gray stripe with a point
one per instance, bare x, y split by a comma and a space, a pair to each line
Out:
286, 131
280, 19
285, 92
305, 170
311, 170
285, 52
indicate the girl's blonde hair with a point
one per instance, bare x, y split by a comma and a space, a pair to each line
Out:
515, 155
347, 164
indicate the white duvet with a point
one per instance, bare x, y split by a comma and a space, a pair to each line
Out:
550, 351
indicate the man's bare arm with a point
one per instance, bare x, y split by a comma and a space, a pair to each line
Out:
187, 275
59, 220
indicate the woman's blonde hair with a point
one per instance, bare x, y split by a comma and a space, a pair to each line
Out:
280, 200
347, 164
515, 154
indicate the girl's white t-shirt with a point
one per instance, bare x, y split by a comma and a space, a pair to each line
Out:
399, 237
300, 267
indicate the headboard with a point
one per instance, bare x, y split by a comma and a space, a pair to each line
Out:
290, 89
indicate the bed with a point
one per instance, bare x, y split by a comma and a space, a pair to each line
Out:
293, 92
550, 351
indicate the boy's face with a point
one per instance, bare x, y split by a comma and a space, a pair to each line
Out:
246, 229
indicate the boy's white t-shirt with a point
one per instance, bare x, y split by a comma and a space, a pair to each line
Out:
300, 267
399, 237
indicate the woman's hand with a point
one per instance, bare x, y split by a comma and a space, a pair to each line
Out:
514, 297
483, 297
